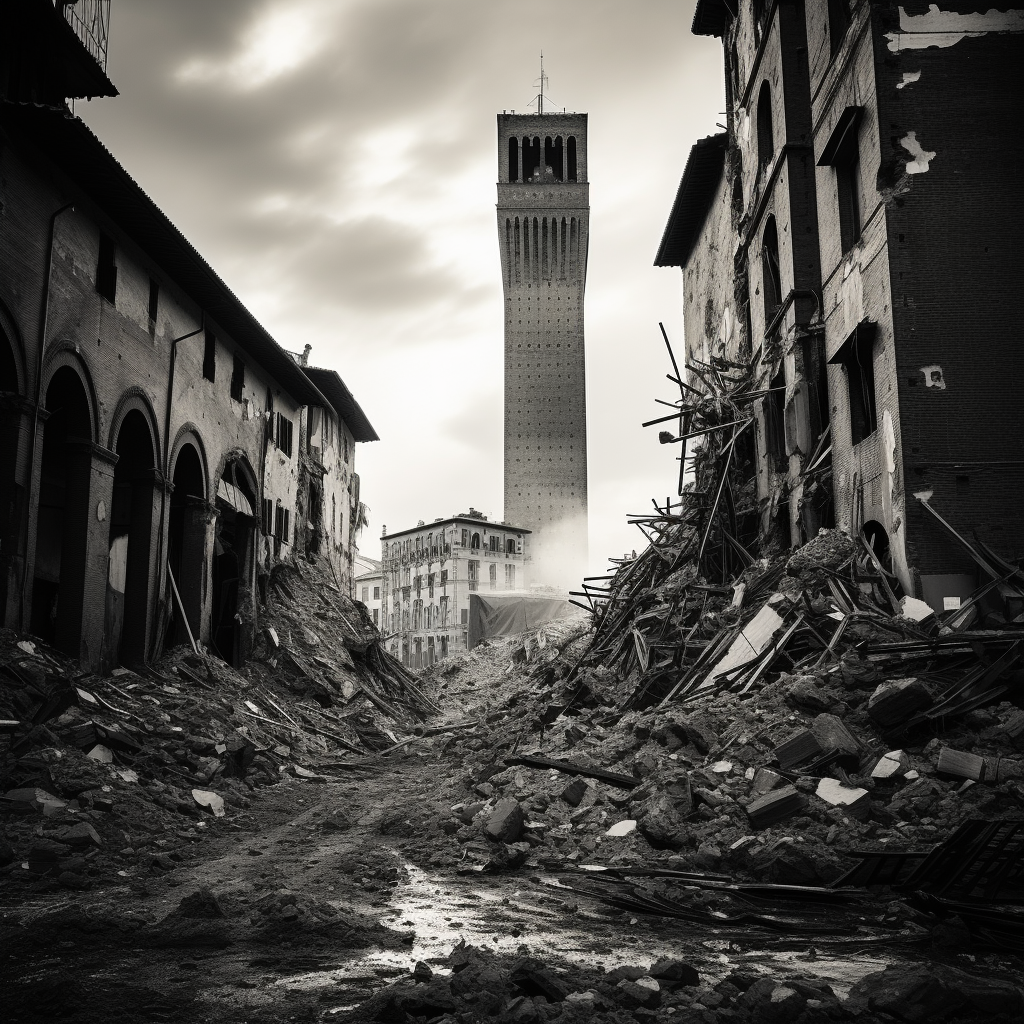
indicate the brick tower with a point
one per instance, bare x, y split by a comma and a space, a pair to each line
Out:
543, 231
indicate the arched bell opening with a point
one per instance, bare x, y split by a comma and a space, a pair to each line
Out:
233, 563
62, 514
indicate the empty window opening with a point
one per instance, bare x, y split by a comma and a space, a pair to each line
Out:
513, 159
210, 356
771, 275
154, 304
106, 269
765, 129
842, 153
285, 429
570, 158
856, 356
838, 23
761, 9
237, 378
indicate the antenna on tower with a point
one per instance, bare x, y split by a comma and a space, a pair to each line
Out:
541, 84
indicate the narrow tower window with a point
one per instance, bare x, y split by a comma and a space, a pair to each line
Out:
513, 159
765, 129
570, 158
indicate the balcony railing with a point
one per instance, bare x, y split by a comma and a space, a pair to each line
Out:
91, 21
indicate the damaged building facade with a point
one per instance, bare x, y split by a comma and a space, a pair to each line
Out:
429, 573
854, 235
159, 451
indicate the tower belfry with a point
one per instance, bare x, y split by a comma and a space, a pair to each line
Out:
543, 230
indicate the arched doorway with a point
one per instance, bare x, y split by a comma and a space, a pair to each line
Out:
132, 542
186, 545
233, 564
62, 515
15, 424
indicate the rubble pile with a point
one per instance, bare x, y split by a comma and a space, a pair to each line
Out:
473, 983
121, 774
778, 730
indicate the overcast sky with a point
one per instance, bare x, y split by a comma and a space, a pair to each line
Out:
335, 161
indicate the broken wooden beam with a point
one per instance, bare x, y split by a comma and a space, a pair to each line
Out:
570, 768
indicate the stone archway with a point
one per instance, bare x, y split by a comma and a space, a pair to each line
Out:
132, 539
233, 569
190, 519
61, 574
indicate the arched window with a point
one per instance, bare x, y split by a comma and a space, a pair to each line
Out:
771, 277
570, 158
765, 131
475, 542
513, 159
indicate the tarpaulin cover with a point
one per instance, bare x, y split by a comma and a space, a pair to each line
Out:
505, 614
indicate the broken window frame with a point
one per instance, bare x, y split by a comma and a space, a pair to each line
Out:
237, 377
857, 357
842, 154
284, 434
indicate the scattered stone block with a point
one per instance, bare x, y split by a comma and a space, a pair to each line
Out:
645, 992
575, 792
891, 766
677, 972
764, 781
210, 801
36, 799
622, 828
961, 764
832, 735
893, 702
856, 802
506, 821
81, 835
801, 747
776, 806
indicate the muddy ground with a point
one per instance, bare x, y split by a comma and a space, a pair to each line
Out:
337, 897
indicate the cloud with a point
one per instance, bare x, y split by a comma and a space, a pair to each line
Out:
334, 161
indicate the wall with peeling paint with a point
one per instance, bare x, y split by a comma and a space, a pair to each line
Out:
950, 98
936, 268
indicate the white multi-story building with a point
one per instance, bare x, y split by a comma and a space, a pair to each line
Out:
429, 573
369, 587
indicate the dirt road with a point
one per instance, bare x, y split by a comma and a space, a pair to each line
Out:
339, 898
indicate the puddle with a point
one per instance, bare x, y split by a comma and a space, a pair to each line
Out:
512, 915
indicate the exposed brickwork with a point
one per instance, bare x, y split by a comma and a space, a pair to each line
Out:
95, 508
931, 271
